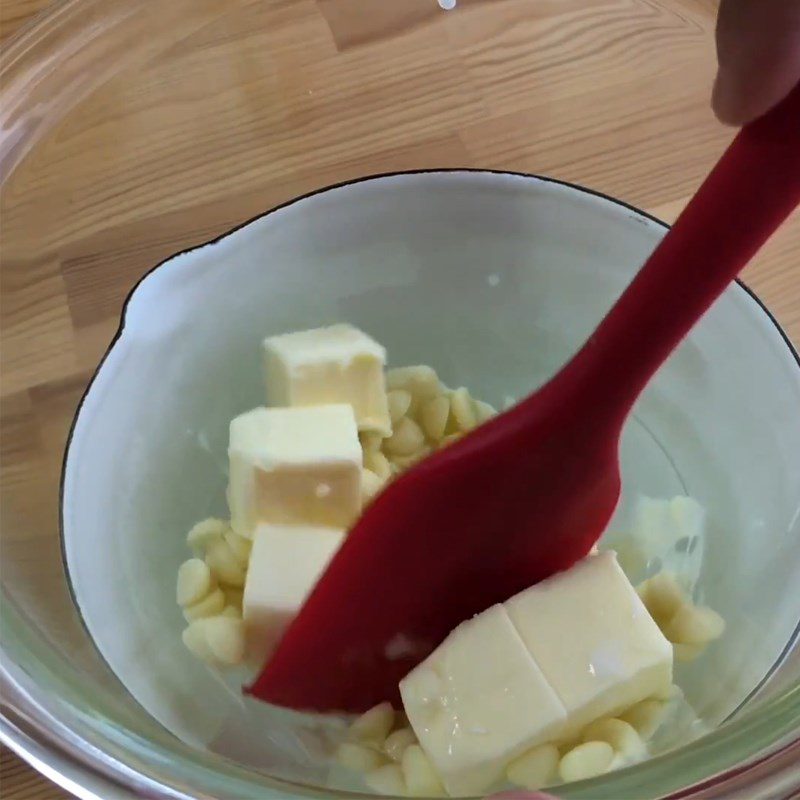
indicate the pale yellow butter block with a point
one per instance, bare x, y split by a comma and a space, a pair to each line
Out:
479, 701
294, 465
593, 639
285, 563
324, 366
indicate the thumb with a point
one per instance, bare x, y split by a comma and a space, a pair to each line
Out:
758, 45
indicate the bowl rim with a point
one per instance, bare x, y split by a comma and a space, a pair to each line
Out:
78, 761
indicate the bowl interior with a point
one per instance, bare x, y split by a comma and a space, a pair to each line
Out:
493, 279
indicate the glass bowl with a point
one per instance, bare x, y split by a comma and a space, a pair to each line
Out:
130, 133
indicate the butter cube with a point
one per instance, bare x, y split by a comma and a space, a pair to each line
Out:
479, 701
338, 364
593, 639
294, 465
285, 563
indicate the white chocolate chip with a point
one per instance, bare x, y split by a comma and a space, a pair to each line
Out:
463, 410
216, 640
209, 606
205, 532
359, 757
194, 582
373, 726
621, 735
668, 692
234, 597
398, 742
633, 561
224, 564
433, 416
694, 625
535, 769
406, 440
484, 411
376, 462
420, 382
370, 441
645, 717
386, 780
194, 638
226, 638
687, 652
450, 439
586, 761
662, 596
239, 546
402, 463
371, 484
419, 775
399, 404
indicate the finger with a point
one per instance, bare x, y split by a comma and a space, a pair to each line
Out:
758, 45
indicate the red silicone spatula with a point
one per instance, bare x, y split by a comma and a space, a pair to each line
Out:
530, 492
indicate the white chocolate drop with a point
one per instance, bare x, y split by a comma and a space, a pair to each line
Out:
373, 726
398, 742
209, 606
420, 777
359, 757
386, 780
535, 769
194, 582
586, 761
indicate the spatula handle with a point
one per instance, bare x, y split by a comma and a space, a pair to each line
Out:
749, 193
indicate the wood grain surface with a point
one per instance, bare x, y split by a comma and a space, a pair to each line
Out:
14, 14
279, 97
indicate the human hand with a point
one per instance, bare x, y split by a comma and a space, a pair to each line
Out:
758, 45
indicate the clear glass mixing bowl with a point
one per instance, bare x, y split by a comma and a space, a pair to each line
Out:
132, 131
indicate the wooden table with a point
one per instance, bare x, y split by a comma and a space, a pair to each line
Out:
608, 93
